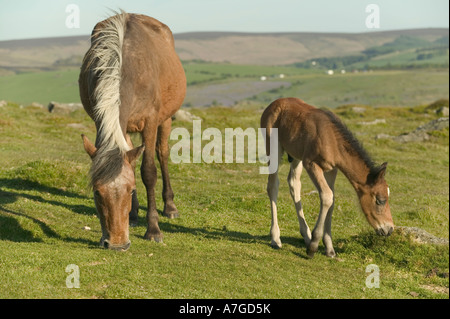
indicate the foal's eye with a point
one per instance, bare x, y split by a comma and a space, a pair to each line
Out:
380, 202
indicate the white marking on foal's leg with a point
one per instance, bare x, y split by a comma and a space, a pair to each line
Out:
326, 202
272, 191
295, 187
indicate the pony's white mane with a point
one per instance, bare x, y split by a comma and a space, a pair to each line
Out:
106, 57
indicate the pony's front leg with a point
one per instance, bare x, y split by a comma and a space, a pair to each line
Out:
149, 175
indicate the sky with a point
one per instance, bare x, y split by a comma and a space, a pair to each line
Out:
24, 19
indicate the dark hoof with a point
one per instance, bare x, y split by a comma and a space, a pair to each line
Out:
172, 215
157, 237
133, 223
170, 211
310, 251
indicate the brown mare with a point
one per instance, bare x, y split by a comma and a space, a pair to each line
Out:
318, 141
131, 80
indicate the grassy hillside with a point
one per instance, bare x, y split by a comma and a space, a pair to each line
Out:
220, 246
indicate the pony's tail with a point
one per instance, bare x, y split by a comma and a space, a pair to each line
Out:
106, 60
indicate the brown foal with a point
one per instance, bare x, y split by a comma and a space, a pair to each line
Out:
318, 141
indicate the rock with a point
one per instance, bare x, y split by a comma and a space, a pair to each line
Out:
358, 109
36, 104
412, 137
435, 125
184, 116
3, 103
376, 121
55, 107
86, 228
443, 111
421, 236
421, 133
382, 136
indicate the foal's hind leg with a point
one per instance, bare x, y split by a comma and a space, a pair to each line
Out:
329, 250
162, 151
272, 190
295, 190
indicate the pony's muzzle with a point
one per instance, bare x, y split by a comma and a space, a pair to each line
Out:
107, 245
385, 230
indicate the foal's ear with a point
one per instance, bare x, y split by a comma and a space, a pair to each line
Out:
375, 177
134, 154
88, 146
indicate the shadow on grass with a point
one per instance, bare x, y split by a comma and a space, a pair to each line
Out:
10, 228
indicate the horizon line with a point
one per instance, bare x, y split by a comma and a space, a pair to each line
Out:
369, 31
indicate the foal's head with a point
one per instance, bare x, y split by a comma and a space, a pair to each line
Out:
114, 184
374, 199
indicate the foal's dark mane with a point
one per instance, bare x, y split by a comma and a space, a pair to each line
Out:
354, 145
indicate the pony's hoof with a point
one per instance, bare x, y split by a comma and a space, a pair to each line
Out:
170, 211
171, 215
133, 223
156, 237
330, 254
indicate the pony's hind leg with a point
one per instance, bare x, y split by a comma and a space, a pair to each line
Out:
295, 190
149, 175
162, 151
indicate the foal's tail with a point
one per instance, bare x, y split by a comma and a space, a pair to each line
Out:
269, 120
104, 58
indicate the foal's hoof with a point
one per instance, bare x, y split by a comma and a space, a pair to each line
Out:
311, 250
276, 244
157, 237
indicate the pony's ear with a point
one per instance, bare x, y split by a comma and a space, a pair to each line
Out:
88, 146
134, 154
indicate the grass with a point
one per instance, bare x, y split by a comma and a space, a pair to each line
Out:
220, 246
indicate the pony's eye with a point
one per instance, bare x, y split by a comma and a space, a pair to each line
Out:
380, 202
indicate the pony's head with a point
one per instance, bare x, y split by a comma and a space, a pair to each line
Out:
374, 200
113, 183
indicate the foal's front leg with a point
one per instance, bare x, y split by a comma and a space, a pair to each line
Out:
326, 207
